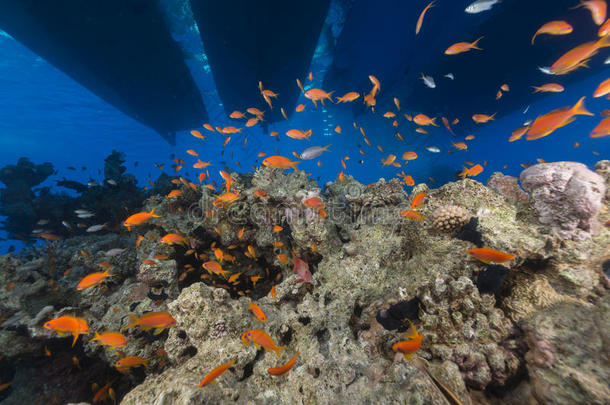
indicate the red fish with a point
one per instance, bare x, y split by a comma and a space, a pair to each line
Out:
418, 199
258, 312
420, 20
546, 124
67, 324
410, 346
283, 369
461, 47
471, 172
487, 255
553, 28
215, 373
301, 268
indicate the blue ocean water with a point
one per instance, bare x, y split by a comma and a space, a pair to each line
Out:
47, 116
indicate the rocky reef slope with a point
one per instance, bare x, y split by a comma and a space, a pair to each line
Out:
531, 330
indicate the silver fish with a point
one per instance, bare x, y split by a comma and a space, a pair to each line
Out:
313, 152
114, 252
82, 212
67, 225
607, 61
433, 149
480, 6
96, 228
526, 109
85, 215
428, 81
450, 76
111, 182
546, 70
526, 123
93, 183
42, 222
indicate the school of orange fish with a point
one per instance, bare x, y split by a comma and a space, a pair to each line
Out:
542, 126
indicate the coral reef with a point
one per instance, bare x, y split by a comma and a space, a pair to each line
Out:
508, 186
567, 197
491, 332
450, 218
31, 211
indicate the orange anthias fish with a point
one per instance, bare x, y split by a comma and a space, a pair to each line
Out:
112, 339
471, 172
461, 47
389, 160
48, 236
603, 89
460, 145
348, 97
225, 198
283, 369
280, 162
258, 312
447, 125
410, 214
577, 57
483, 118
174, 239
158, 320
201, 165
260, 338
597, 8
174, 194
409, 155
487, 255
602, 129
553, 28
298, 134
418, 199
93, 279
198, 134
126, 363
66, 324
423, 120
604, 30
408, 347
140, 218
549, 88
518, 133
227, 178
215, 268
215, 373
320, 95
420, 20
546, 124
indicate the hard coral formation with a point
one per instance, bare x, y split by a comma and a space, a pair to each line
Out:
490, 331
450, 218
567, 197
508, 186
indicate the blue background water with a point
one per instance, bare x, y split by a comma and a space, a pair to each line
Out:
46, 116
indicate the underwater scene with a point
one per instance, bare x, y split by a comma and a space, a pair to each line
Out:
304, 202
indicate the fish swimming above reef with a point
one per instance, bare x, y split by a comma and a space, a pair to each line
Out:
152, 320
313, 152
428, 81
480, 6
139, 219
66, 325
